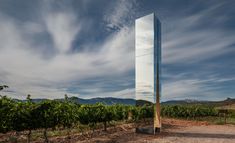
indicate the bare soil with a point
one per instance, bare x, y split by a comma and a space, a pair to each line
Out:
173, 131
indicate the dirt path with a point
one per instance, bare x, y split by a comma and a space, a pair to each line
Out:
174, 131
201, 133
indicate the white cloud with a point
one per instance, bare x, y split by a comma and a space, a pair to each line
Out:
190, 40
124, 94
62, 26
27, 71
190, 88
182, 87
120, 13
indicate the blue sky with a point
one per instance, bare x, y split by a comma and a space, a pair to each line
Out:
85, 48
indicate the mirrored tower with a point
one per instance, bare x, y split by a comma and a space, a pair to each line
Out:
147, 72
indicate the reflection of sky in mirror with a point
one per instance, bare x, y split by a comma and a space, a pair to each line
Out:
144, 58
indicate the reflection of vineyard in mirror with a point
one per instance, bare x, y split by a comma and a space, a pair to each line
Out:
148, 58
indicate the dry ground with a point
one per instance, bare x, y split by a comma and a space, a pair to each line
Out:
173, 131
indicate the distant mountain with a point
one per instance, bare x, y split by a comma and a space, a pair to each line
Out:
106, 100
228, 100
189, 101
185, 101
111, 100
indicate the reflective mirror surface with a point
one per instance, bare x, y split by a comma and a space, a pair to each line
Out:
147, 70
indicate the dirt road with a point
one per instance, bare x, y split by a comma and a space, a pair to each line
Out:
174, 131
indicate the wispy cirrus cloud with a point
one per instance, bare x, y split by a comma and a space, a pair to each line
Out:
86, 48
197, 88
190, 38
62, 27
27, 71
120, 13
195, 47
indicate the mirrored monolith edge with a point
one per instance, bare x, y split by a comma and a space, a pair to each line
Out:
147, 73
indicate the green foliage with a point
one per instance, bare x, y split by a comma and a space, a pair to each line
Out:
188, 111
18, 116
6, 106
